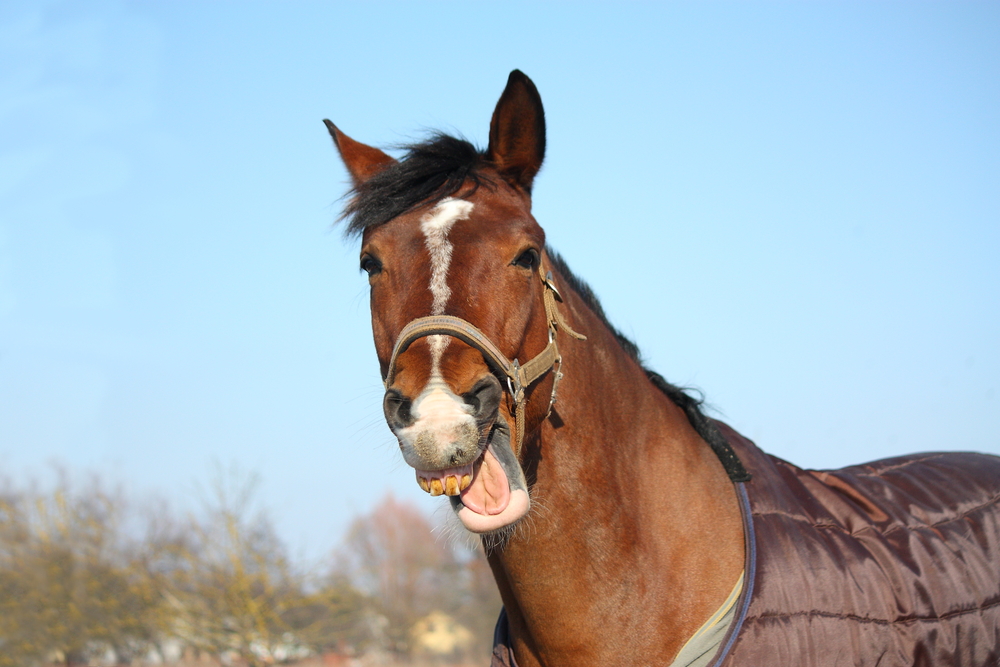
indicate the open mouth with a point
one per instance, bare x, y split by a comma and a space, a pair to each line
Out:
488, 494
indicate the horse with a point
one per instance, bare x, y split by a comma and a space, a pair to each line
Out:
622, 525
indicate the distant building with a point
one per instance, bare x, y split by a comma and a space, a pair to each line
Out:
441, 635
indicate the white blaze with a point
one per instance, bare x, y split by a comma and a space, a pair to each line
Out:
435, 226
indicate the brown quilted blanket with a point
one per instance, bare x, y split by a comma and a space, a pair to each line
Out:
890, 563
895, 562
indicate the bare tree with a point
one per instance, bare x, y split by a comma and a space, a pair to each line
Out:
69, 583
82, 572
235, 590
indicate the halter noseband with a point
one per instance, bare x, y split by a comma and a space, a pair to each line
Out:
518, 377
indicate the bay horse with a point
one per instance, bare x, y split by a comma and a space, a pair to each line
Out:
622, 525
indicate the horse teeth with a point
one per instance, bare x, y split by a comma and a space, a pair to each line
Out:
436, 487
422, 481
466, 481
451, 485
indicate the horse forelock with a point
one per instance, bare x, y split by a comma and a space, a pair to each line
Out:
429, 172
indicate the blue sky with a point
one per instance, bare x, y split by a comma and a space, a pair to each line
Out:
792, 206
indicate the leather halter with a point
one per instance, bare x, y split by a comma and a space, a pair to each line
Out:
519, 377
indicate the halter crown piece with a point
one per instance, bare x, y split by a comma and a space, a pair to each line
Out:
519, 376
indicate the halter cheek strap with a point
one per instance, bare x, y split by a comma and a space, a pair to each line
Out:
518, 377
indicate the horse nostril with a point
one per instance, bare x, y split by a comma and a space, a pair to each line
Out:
484, 399
397, 409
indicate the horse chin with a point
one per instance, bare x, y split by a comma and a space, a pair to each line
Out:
497, 498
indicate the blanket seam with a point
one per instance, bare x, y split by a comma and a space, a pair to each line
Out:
872, 527
877, 621
872, 471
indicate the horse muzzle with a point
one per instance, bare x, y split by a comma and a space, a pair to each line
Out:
439, 429
459, 446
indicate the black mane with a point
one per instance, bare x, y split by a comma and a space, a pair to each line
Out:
439, 167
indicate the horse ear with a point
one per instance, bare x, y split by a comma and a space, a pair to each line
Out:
517, 132
362, 161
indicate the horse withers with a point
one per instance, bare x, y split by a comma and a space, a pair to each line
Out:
622, 525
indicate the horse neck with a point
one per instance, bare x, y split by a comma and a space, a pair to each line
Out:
635, 537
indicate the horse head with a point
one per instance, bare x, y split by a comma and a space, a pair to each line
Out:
464, 307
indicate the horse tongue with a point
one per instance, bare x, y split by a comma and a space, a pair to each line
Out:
489, 492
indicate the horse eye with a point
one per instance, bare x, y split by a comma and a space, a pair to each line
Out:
370, 265
527, 259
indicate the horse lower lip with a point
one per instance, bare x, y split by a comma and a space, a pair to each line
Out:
490, 490
482, 523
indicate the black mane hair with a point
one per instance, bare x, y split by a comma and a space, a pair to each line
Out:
439, 167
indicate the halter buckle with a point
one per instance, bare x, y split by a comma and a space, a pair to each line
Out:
514, 382
557, 369
551, 284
